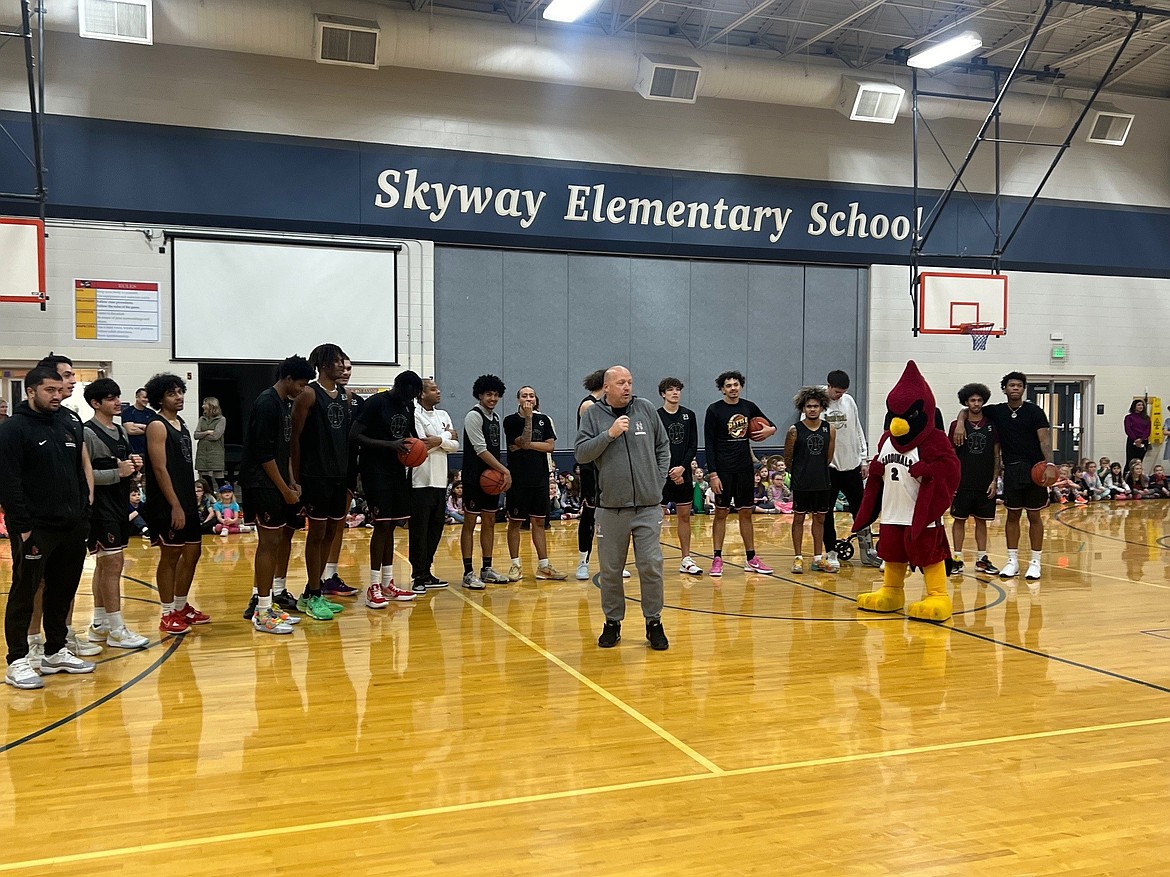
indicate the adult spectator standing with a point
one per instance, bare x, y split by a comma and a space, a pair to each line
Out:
592, 383
530, 438
624, 438
209, 457
730, 470
135, 418
1137, 433
849, 467
1024, 440
114, 468
682, 428
429, 482
482, 451
45, 492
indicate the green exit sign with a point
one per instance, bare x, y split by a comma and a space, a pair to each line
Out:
1059, 351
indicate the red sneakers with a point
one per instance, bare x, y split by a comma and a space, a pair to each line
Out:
375, 599
173, 623
394, 593
192, 615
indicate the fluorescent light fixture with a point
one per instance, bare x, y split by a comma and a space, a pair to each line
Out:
568, 10
948, 50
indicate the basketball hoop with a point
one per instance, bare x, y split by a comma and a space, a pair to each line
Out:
979, 333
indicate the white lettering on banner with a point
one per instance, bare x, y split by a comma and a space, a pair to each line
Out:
591, 204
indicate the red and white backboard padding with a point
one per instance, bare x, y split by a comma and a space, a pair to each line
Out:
949, 303
22, 260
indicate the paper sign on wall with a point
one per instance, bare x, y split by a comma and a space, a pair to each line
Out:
116, 310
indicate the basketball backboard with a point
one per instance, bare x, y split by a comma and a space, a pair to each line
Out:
22, 260
947, 301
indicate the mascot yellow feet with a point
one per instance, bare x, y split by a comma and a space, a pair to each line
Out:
936, 605
890, 597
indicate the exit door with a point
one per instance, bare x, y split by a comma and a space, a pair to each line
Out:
1062, 402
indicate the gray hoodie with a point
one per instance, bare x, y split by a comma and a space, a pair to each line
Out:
632, 468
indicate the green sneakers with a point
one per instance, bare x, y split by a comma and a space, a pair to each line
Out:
316, 606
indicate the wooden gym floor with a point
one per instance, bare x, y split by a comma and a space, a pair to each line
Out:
782, 733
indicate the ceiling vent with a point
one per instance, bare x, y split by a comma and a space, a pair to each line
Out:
1110, 126
870, 101
352, 42
125, 21
668, 77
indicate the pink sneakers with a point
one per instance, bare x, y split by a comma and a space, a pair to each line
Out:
758, 566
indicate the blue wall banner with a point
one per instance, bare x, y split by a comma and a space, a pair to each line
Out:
101, 169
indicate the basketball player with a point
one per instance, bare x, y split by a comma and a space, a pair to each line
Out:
108, 445
729, 466
270, 501
1024, 440
481, 451
530, 438
849, 467
585, 524
319, 457
682, 428
429, 483
386, 421
979, 460
808, 450
331, 582
172, 514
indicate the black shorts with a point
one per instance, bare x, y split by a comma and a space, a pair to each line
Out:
679, 494
739, 485
526, 499
812, 502
163, 534
1020, 491
107, 534
323, 498
970, 502
475, 500
387, 495
266, 508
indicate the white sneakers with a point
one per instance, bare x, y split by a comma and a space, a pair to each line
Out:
688, 566
21, 675
1011, 569
1033, 573
65, 662
832, 563
583, 571
124, 638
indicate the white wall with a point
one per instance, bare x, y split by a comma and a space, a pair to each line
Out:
1110, 327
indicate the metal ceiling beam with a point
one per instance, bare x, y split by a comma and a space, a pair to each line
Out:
833, 28
1046, 29
646, 7
1077, 57
1149, 55
956, 23
751, 13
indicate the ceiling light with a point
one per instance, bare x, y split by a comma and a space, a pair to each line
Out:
568, 10
948, 50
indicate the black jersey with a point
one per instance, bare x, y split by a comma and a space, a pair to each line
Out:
683, 431
977, 454
810, 457
386, 418
525, 464
1019, 441
325, 436
726, 432
489, 427
267, 436
110, 500
179, 467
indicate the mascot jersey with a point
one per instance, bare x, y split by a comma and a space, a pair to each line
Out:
900, 489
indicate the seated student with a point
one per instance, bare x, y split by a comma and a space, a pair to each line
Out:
135, 514
762, 502
207, 519
1093, 484
1066, 488
780, 494
699, 504
1115, 481
455, 503
571, 497
1139, 483
1159, 483
1103, 467
227, 513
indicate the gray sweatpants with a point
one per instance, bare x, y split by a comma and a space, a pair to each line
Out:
615, 527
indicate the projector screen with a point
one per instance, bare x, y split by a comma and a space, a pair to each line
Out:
260, 300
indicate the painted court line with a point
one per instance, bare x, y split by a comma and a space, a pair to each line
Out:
335, 824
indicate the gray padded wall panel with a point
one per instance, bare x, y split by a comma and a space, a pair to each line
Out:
775, 341
719, 319
830, 322
599, 324
469, 324
661, 319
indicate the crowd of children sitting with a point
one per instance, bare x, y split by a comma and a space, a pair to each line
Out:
1105, 480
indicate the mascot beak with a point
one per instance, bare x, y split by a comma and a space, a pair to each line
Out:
898, 427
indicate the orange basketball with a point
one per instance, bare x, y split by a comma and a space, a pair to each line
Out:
491, 482
413, 454
755, 425
1043, 474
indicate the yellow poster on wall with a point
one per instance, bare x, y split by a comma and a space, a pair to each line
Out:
1154, 406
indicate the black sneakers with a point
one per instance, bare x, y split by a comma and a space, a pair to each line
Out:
251, 610
286, 601
656, 636
611, 633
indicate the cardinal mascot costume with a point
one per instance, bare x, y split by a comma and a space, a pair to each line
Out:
912, 481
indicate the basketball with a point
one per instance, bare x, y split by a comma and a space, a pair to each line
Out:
413, 454
755, 425
491, 482
1043, 474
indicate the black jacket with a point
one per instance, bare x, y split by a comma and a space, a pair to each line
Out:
42, 480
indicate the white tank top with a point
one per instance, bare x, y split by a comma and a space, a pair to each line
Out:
899, 490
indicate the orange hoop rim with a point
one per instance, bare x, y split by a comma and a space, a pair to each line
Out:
976, 328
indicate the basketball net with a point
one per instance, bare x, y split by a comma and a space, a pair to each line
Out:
979, 333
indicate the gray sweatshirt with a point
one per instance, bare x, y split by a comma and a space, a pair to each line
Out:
632, 468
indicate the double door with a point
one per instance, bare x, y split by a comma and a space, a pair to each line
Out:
1062, 400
